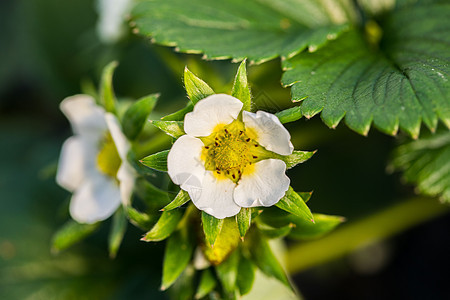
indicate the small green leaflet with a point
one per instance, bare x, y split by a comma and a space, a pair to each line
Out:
173, 128
244, 220
211, 228
297, 157
181, 198
107, 97
207, 284
294, 204
139, 219
196, 88
395, 84
259, 30
426, 163
134, 119
117, 232
157, 161
71, 233
166, 224
179, 249
241, 89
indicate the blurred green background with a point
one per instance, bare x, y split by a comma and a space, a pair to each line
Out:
49, 49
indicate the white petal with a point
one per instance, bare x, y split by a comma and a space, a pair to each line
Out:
271, 134
210, 112
111, 19
86, 117
71, 164
263, 187
97, 199
126, 176
184, 163
121, 142
215, 197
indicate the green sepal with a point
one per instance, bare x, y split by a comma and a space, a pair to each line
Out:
107, 97
178, 253
152, 196
157, 161
166, 224
134, 118
294, 204
241, 89
226, 242
70, 233
303, 229
244, 220
181, 198
305, 196
263, 257
211, 228
184, 287
275, 233
206, 285
297, 157
179, 115
118, 228
196, 88
289, 115
140, 219
227, 273
173, 128
245, 276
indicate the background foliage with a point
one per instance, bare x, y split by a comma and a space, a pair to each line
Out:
48, 46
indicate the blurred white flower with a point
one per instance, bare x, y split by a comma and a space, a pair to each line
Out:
93, 162
225, 160
111, 17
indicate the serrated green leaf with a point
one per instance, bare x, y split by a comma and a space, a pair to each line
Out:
211, 228
227, 272
153, 197
196, 88
245, 276
275, 233
179, 115
263, 257
181, 198
226, 242
173, 128
70, 233
426, 163
107, 98
207, 284
177, 255
258, 30
118, 228
244, 220
157, 161
294, 204
134, 119
290, 115
297, 157
396, 83
241, 89
166, 224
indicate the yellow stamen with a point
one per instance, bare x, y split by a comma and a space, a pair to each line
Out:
108, 159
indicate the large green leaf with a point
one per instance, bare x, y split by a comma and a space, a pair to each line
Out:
257, 29
397, 82
426, 163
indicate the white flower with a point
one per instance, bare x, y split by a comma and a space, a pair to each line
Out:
110, 25
226, 159
93, 162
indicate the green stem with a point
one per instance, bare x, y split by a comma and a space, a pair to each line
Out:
352, 236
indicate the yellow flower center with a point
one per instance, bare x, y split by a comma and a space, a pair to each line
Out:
108, 159
232, 150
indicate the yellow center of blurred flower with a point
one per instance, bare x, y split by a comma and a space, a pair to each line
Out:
231, 150
108, 159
